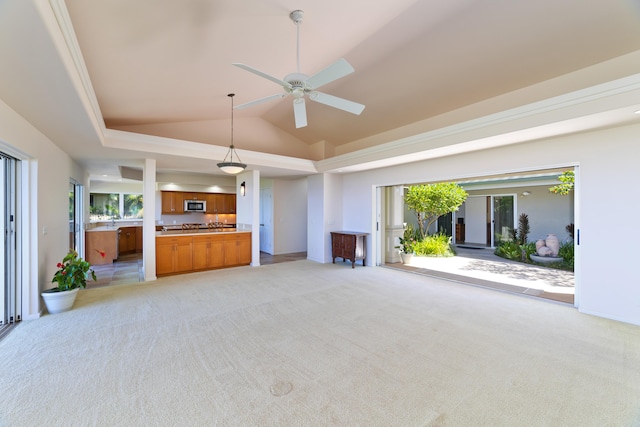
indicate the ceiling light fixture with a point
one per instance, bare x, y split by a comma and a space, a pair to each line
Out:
230, 166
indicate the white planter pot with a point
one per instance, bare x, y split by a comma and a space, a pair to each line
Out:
406, 258
57, 302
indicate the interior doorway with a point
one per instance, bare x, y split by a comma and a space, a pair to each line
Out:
488, 220
266, 220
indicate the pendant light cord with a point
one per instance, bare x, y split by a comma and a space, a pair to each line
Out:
231, 95
231, 147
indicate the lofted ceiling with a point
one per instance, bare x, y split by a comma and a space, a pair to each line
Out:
164, 68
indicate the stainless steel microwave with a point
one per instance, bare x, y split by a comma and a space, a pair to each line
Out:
195, 206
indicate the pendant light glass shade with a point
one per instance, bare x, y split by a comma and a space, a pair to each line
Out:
230, 166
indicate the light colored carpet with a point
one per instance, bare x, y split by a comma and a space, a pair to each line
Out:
307, 344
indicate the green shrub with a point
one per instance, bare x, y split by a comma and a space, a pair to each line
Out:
435, 245
509, 250
566, 252
516, 252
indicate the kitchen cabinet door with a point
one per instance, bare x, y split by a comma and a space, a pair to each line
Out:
174, 255
164, 256
244, 249
208, 252
229, 203
230, 252
237, 249
184, 255
172, 202
211, 203
128, 237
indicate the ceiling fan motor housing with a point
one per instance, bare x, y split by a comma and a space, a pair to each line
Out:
296, 16
296, 80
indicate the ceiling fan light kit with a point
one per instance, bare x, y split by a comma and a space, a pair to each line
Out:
230, 166
298, 84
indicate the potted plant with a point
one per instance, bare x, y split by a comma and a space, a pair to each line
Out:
71, 275
407, 243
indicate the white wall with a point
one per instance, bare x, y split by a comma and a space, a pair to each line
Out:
45, 218
324, 211
248, 211
290, 216
115, 187
606, 276
315, 218
547, 212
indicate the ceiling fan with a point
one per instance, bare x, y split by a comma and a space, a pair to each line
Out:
298, 85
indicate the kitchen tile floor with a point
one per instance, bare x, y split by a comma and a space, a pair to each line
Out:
128, 269
266, 258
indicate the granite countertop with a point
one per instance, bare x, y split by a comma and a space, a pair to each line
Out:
199, 232
104, 228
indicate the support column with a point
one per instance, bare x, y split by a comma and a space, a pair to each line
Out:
149, 220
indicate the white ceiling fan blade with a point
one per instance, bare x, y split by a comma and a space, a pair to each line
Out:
338, 69
265, 75
300, 112
259, 101
335, 102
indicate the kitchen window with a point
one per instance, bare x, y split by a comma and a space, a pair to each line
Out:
110, 206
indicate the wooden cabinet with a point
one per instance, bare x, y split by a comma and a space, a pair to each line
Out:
193, 196
208, 252
229, 203
182, 254
172, 202
221, 203
138, 239
349, 245
99, 243
127, 241
244, 249
174, 254
217, 203
130, 240
237, 249
212, 203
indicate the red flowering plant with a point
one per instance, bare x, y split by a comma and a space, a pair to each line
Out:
72, 272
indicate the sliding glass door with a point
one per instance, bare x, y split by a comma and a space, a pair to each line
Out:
503, 219
75, 216
10, 296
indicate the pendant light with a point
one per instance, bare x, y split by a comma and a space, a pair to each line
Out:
230, 166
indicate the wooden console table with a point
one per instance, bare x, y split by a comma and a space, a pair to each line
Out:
349, 245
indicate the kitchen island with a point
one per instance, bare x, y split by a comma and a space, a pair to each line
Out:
106, 243
101, 245
185, 251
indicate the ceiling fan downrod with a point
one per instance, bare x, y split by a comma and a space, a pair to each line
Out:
296, 16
